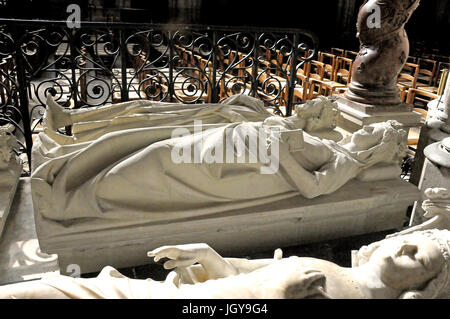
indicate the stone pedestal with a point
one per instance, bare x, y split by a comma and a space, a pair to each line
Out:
357, 208
372, 95
435, 173
354, 115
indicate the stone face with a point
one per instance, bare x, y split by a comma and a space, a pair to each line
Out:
384, 51
389, 269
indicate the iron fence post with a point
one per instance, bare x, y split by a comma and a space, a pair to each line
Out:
214, 84
292, 77
123, 58
171, 62
22, 84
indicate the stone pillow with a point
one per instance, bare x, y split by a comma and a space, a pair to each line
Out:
380, 172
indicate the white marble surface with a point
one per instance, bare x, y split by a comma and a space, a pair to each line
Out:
357, 208
8, 184
20, 256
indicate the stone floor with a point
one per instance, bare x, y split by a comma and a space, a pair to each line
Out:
21, 259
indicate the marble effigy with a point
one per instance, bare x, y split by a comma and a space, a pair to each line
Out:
148, 173
317, 115
127, 179
10, 171
409, 266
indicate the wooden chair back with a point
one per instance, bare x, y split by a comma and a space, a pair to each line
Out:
343, 70
338, 52
329, 61
351, 54
427, 71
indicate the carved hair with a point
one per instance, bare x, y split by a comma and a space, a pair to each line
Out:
394, 142
320, 113
438, 287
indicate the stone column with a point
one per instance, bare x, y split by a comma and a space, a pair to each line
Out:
373, 95
435, 173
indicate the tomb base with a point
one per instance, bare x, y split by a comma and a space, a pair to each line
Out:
354, 115
355, 209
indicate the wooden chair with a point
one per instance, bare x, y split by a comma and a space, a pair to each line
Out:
329, 61
351, 54
338, 52
409, 66
278, 63
406, 81
222, 61
315, 69
343, 71
307, 53
440, 58
301, 88
440, 68
412, 59
443, 80
323, 87
420, 98
427, 72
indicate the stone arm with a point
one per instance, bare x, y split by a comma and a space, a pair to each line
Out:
182, 259
183, 256
329, 178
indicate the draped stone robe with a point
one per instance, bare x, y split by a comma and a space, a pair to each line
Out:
130, 174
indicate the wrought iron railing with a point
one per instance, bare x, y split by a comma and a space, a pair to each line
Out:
103, 63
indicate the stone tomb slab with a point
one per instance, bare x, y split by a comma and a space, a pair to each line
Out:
357, 208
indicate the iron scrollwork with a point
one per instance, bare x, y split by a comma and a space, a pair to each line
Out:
102, 63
